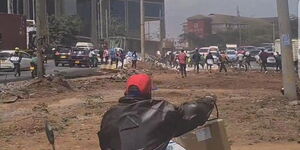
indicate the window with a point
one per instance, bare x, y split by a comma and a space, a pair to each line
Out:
25, 55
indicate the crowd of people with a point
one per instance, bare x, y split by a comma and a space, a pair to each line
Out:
243, 61
118, 56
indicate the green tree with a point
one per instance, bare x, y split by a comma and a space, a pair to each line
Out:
62, 30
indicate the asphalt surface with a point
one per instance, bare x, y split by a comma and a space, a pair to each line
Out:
75, 72
66, 71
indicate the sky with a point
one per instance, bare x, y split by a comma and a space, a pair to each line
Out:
178, 10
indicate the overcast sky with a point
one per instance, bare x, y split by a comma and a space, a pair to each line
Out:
178, 10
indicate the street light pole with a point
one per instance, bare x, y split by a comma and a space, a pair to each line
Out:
288, 72
142, 29
101, 21
9, 7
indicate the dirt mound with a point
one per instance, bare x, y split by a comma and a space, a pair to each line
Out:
35, 88
124, 74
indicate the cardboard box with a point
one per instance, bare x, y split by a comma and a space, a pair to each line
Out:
211, 136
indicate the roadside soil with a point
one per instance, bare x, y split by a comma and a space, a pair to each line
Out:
256, 114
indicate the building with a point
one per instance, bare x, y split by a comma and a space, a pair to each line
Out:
199, 25
117, 21
203, 26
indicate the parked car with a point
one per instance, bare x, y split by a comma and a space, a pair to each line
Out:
7, 65
63, 56
84, 45
80, 56
253, 54
244, 49
215, 56
232, 55
271, 61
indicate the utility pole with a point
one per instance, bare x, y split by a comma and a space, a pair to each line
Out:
94, 22
9, 7
26, 9
106, 24
18, 12
101, 21
142, 29
41, 34
33, 10
288, 72
239, 26
58, 8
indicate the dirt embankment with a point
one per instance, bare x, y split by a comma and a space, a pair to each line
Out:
251, 104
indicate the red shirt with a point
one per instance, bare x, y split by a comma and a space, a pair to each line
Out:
182, 58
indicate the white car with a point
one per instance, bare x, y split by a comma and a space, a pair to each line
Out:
204, 51
6, 64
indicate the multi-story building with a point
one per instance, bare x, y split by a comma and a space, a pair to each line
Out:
203, 26
199, 25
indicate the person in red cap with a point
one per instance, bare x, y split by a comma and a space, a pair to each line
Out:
139, 122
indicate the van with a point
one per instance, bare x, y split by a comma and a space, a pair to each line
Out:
85, 45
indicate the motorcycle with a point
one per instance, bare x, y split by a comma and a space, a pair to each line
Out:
33, 70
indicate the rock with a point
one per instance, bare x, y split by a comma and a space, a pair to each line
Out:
294, 103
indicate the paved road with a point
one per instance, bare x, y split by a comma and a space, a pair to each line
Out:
74, 72
50, 69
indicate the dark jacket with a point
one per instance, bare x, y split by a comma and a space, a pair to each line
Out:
263, 56
209, 56
196, 58
150, 124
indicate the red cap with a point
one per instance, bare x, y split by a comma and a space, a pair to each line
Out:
142, 82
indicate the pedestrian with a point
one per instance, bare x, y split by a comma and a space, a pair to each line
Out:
139, 122
209, 61
248, 59
278, 61
196, 59
263, 57
223, 60
182, 58
112, 54
172, 59
202, 61
101, 53
16, 59
106, 55
92, 58
122, 57
240, 58
134, 59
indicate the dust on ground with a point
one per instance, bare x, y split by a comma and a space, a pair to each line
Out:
257, 116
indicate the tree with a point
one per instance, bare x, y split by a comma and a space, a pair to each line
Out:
192, 39
62, 30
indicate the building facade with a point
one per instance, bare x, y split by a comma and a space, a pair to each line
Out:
202, 26
112, 20
199, 25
